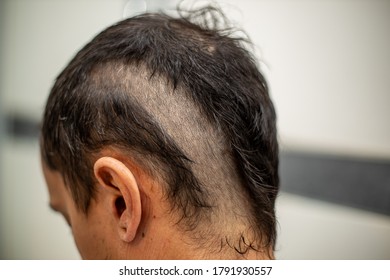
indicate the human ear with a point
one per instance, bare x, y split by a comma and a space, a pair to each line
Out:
122, 190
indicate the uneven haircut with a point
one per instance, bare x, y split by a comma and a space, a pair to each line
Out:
186, 101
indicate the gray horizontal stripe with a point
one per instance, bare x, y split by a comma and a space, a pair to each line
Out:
21, 127
360, 183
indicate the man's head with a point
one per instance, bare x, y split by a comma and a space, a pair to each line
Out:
159, 141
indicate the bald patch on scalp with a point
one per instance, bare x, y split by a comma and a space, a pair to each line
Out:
182, 121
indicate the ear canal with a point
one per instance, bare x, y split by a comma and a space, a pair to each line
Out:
120, 206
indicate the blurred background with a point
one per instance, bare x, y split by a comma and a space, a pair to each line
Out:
328, 68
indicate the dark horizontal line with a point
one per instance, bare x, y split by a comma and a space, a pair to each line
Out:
18, 126
356, 182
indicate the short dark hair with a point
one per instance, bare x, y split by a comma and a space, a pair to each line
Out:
189, 103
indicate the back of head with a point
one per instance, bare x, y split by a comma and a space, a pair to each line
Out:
189, 103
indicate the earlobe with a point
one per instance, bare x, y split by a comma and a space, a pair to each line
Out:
123, 192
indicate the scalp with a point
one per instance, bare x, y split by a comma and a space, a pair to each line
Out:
182, 121
190, 103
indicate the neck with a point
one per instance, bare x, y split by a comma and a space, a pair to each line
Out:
164, 240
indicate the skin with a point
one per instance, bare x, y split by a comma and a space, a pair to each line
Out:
129, 218
143, 228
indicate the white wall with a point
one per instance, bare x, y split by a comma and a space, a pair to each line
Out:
328, 69
327, 63
39, 38
312, 229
